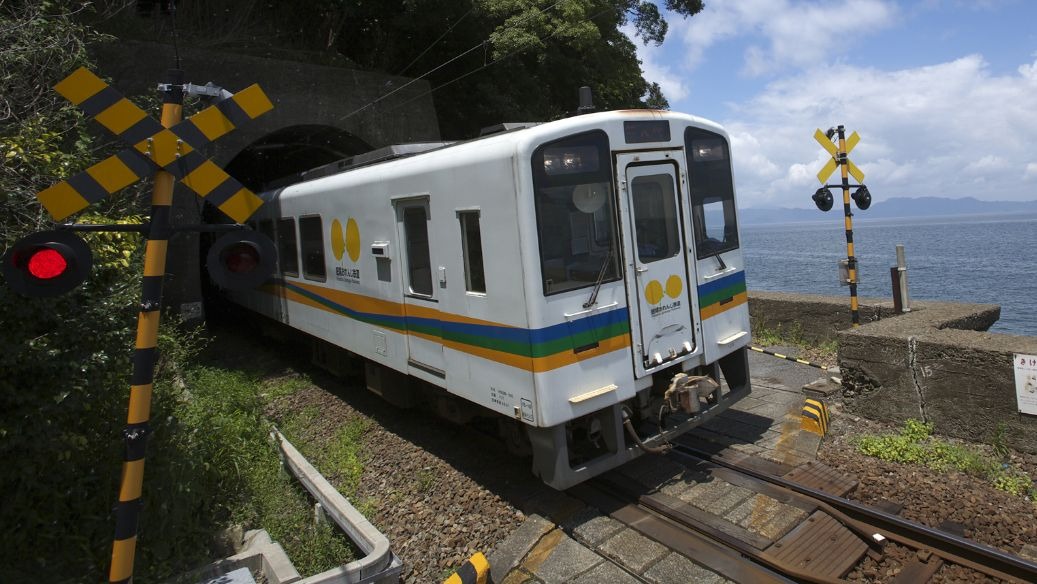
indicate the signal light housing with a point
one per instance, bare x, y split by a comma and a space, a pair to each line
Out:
862, 197
48, 263
241, 260
823, 199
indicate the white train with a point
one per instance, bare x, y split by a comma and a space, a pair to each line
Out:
560, 275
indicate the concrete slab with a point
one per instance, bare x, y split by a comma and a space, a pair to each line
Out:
633, 550
606, 572
509, 553
559, 558
652, 470
677, 569
591, 528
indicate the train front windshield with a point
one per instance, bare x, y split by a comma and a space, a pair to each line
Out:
576, 216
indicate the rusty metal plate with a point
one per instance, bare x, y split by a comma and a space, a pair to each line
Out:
820, 546
822, 477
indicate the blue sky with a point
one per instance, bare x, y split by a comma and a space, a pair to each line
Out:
942, 92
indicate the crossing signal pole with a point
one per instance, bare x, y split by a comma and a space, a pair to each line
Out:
824, 200
55, 262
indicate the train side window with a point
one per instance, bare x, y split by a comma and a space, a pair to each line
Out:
311, 235
712, 192
287, 248
471, 248
419, 262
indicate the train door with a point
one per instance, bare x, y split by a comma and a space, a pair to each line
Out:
420, 286
657, 271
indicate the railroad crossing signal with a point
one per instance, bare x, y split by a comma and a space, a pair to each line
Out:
55, 262
154, 147
833, 163
824, 200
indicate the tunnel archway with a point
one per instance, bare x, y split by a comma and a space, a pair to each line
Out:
291, 150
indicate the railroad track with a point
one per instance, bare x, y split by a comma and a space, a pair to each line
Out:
752, 521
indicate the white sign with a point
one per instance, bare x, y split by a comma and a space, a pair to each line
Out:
1026, 383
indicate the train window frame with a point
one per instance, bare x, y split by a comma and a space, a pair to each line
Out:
558, 215
312, 249
472, 250
287, 246
413, 249
711, 182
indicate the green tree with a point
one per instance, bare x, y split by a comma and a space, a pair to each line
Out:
487, 61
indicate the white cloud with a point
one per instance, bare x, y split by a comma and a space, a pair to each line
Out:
1031, 171
953, 129
791, 33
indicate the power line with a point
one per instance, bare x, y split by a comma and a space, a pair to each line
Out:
428, 48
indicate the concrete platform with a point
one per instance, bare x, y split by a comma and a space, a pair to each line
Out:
578, 544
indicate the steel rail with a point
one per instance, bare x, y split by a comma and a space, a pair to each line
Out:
953, 549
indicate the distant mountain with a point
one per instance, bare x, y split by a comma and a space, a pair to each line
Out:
891, 208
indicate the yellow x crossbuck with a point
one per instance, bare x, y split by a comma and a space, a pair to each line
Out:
833, 163
153, 147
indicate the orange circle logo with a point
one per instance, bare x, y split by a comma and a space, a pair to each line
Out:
674, 286
338, 243
352, 239
654, 292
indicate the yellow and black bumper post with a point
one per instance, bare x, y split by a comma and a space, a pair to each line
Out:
136, 432
814, 417
475, 571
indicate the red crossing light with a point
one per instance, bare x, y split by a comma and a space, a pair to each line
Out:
241, 260
48, 263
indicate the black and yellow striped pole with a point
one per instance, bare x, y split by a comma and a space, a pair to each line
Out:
786, 357
823, 197
136, 432
851, 259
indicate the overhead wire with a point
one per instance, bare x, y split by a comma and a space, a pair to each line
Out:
445, 63
435, 42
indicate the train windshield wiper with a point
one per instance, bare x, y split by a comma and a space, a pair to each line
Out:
601, 278
720, 260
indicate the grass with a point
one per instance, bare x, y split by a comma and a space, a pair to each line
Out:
823, 353
220, 428
916, 444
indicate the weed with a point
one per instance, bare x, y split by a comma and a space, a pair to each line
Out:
915, 444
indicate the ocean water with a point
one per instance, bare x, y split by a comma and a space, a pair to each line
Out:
990, 259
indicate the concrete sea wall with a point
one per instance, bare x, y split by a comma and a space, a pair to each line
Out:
936, 363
